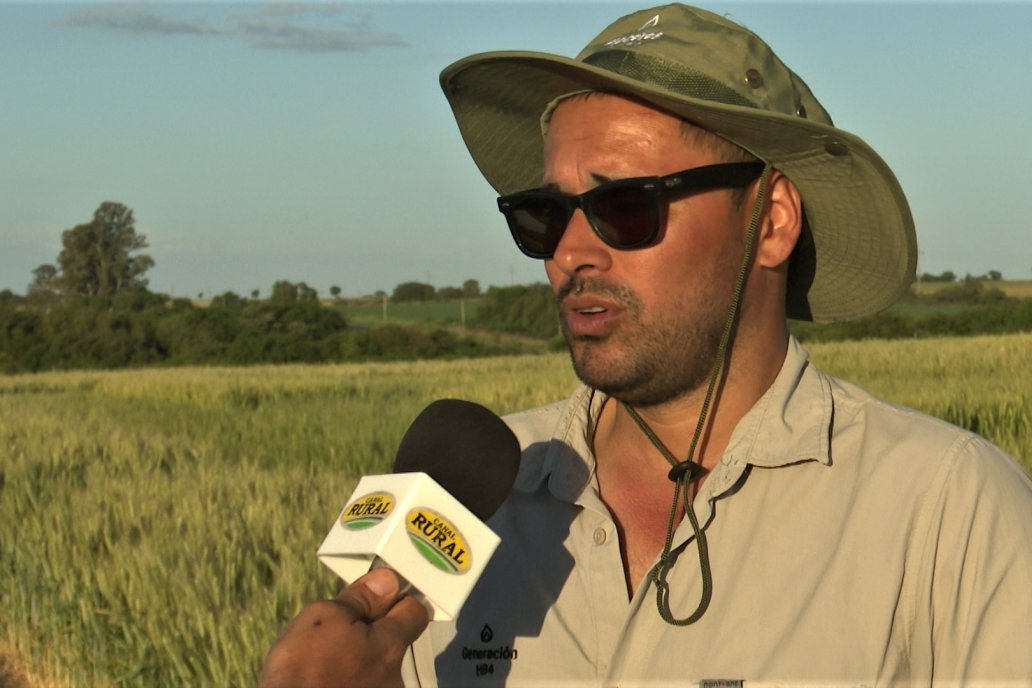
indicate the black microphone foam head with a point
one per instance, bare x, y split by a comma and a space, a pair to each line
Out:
467, 449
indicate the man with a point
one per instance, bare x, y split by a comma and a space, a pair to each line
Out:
709, 507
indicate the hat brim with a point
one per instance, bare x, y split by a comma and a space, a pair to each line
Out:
861, 252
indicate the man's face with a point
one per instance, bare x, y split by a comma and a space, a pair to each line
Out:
643, 325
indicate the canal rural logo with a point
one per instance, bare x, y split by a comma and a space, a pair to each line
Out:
438, 540
367, 511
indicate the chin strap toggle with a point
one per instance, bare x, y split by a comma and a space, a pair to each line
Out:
680, 469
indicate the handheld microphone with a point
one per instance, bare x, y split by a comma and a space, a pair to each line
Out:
455, 466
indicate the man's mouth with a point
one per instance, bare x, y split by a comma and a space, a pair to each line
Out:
592, 308
588, 316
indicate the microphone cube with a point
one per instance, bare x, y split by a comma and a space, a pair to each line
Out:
418, 529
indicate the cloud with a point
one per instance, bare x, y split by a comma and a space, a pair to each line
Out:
288, 8
311, 39
295, 26
313, 28
133, 19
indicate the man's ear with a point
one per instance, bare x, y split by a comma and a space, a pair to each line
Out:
782, 224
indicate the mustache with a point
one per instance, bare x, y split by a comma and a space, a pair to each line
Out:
597, 287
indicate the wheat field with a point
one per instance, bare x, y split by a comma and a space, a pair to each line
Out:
158, 527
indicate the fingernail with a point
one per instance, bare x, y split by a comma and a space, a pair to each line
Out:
381, 582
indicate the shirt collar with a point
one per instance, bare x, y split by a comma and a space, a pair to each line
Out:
789, 424
566, 461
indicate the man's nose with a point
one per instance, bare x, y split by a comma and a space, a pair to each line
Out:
580, 249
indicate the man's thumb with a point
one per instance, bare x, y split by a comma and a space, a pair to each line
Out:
372, 595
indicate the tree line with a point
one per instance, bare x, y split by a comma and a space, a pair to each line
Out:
92, 309
139, 328
950, 276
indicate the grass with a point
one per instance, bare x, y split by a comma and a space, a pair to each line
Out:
159, 527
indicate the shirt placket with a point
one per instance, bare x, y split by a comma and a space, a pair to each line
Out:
602, 571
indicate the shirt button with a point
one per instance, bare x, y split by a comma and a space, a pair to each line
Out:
600, 536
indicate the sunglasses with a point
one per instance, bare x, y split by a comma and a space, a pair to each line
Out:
625, 213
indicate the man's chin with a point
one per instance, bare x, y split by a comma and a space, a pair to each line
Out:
633, 385
587, 352
605, 373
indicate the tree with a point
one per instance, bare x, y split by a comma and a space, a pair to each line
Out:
413, 291
947, 276
44, 281
471, 288
449, 293
335, 291
98, 260
288, 292
227, 300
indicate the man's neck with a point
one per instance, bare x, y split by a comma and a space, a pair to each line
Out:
632, 473
674, 423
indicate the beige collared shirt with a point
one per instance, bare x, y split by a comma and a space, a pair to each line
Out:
852, 542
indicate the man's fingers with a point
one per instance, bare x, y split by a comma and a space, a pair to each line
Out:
376, 598
405, 621
370, 596
357, 639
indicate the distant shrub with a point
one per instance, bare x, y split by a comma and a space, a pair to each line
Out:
1001, 317
970, 291
881, 326
396, 342
528, 310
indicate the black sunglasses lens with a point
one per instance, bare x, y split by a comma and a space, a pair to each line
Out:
625, 216
537, 224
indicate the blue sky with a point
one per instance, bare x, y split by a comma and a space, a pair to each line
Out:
310, 142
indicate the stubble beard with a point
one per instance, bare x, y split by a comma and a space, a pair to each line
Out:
649, 360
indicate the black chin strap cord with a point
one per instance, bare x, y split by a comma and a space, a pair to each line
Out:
683, 472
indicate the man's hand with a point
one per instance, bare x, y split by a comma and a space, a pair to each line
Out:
356, 639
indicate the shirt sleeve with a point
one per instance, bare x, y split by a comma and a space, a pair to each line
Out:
978, 558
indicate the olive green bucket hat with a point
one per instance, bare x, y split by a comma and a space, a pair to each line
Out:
858, 252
